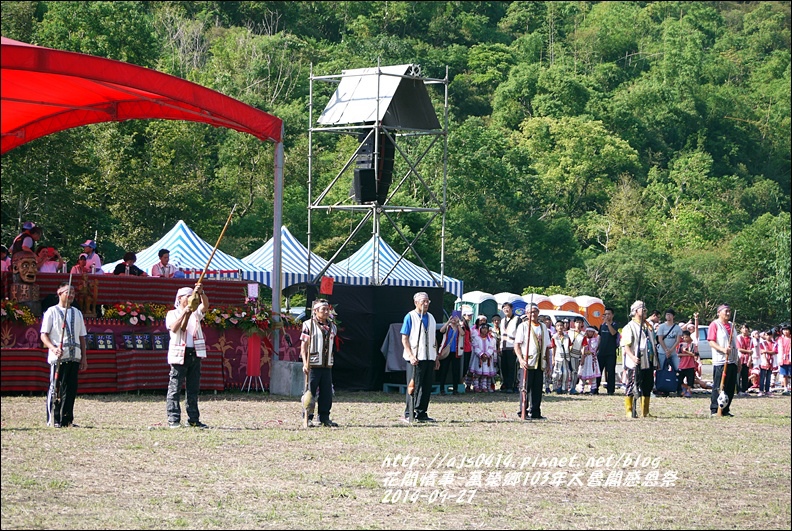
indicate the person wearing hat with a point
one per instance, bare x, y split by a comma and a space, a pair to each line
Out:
669, 335
92, 260
725, 356
481, 373
590, 369
63, 333
638, 342
80, 268
317, 342
26, 240
508, 360
186, 349
532, 348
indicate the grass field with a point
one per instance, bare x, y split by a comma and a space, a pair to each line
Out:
122, 468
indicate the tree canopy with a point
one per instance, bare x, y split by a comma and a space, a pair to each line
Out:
616, 149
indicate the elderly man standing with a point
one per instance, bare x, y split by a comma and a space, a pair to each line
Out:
318, 339
186, 349
420, 351
725, 356
638, 340
532, 348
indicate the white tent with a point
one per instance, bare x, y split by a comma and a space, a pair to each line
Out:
189, 251
380, 263
294, 262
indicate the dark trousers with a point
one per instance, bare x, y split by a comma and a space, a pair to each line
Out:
607, 363
643, 378
465, 365
423, 373
688, 376
67, 380
321, 381
532, 382
508, 364
450, 362
190, 374
728, 387
745, 381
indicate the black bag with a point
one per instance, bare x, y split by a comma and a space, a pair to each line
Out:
666, 379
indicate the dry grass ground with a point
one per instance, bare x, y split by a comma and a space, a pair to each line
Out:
257, 468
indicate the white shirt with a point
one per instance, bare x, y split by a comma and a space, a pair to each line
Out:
527, 341
52, 325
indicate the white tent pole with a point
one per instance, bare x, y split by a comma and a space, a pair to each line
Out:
277, 222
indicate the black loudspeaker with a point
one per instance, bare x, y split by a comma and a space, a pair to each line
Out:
370, 185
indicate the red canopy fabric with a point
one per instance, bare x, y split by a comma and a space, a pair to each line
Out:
45, 91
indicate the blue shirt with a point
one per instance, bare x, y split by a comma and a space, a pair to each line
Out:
407, 324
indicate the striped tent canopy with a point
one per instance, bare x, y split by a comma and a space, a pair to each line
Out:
188, 251
405, 273
294, 263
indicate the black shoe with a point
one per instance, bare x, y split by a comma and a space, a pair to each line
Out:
538, 418
504, 390
198, 424
174, 424
425, 418
329, 424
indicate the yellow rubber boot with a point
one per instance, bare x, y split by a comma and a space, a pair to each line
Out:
645, 406
628, 403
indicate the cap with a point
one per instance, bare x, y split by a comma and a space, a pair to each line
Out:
28, 225
89, 243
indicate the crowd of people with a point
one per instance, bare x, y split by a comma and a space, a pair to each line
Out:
89, 262
532, 355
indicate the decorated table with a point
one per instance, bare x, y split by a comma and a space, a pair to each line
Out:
119, 368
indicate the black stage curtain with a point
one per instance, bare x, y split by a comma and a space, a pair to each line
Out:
364, 315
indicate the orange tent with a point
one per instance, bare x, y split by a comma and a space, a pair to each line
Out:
592, 308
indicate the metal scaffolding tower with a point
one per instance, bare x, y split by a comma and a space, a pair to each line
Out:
386, 109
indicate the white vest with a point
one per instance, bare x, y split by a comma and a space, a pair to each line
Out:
423, 341
718, 358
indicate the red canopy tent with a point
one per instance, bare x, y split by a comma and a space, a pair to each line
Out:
44, 91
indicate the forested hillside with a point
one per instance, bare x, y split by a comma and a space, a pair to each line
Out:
617, 149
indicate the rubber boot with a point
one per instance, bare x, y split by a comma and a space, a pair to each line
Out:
645, 406
628, 403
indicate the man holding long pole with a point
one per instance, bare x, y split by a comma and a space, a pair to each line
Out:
720, 336
637, 337
63, 333
532, 347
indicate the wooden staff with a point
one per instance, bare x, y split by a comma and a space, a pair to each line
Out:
195, 298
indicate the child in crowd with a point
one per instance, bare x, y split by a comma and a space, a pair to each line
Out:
756, 359
745, 351
590, 369
481, 374
767, 361
687, 352
784, 355
701, 383
561, 363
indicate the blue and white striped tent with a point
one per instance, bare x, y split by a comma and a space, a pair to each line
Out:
294, 263
405, 273
189, 251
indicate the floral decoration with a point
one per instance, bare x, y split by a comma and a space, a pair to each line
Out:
13, 311
253, 317
136, 313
